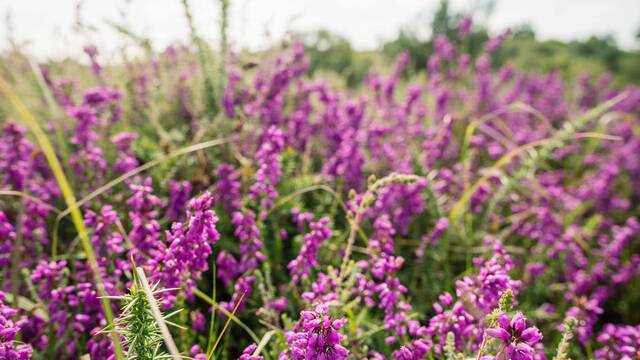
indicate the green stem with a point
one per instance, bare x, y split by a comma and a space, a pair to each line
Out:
226, 313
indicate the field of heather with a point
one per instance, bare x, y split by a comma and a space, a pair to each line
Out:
203, 202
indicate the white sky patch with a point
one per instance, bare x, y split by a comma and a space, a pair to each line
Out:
47, 26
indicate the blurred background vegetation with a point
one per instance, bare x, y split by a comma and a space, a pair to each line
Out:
596, 55
334, 58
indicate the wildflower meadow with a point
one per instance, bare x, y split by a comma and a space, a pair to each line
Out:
200, 202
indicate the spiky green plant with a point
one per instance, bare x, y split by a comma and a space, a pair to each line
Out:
138, 325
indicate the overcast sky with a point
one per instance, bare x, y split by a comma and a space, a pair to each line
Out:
48, 25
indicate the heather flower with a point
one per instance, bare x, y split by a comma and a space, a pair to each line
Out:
301, 218
435, 142
483, 290
229, 98
227, 187
61, 89
126, 158
417, 349
196, 353
436, 233
323, 290
250, 243
145, 228
198, 321
464, 26
316, 336
587, 312
227, 267
108, 242
308, 258
269, 167
9, 348
517, 341
495, 42
105, 101
241, 290
189, 248
96, 68
347, 160
402, 203
279, 304
89, 159
383, 266
247, 353
251, 253
15, 155
7, 235
48, 276
179, 192
618, 342
452, 317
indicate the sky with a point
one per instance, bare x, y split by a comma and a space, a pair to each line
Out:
47, 27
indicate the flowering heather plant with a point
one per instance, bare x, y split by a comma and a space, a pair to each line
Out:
460, 214
517, 341
10, 347
316, 336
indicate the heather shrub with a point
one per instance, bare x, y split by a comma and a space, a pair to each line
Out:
479, 211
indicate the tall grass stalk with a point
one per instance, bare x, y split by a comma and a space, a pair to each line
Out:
568, 132
129, 174
55, 112
197, 292
226, 326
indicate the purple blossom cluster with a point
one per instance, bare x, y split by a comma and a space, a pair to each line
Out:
186, 257
10, 347
307, 259
269, 167
316, 336
618, 342
517, 340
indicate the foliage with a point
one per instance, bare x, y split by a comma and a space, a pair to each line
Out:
383, 211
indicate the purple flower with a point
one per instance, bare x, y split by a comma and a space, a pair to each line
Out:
126, 158
517, 341
227, 266
247, 353
301, 218
9, 348
251, 253
464, 26
189, 248
308, 258
316, 336
618, 342
143, 214
438, 230
452, 317
227, 187
15, 154
178, 196
269, 167
484, 289
323, 289
96, 68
